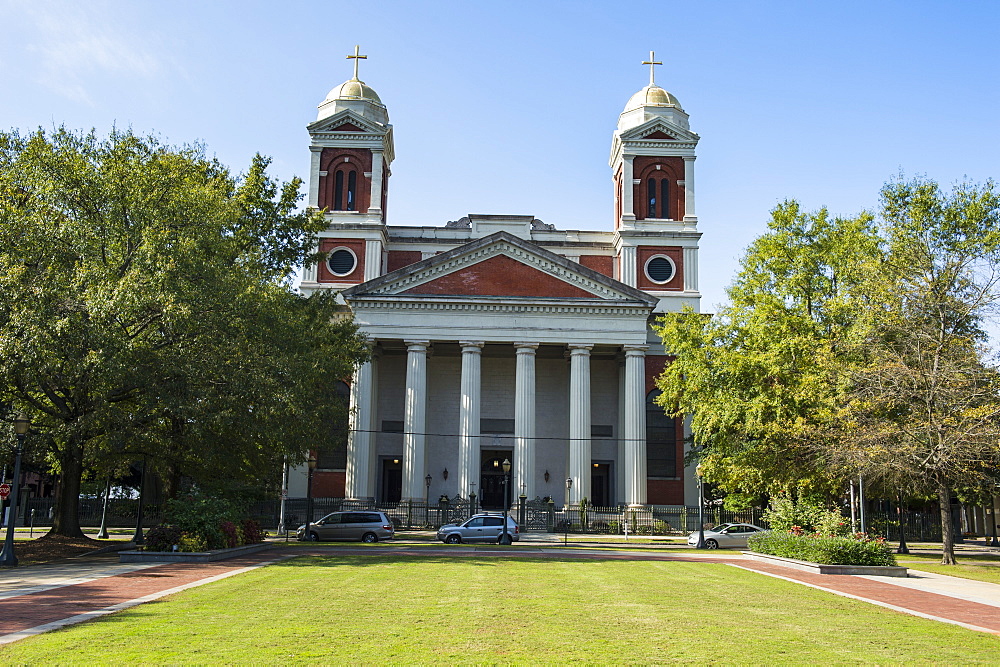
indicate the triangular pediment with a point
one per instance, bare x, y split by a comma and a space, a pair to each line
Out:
658, 128
346, 121
499, 266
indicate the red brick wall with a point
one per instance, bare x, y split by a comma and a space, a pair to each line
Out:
645, 252
397, 259
645, 166
329, 484
500, 276
604, 264
330, 159
665, 492
323, 274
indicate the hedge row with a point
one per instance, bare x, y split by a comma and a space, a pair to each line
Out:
824, 550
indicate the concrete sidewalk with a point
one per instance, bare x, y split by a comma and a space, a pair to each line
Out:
35, 599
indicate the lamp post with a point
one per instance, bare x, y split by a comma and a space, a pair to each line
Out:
504, 535
138, 537
701, 511
7, 557
569, 487
307, 532
427, 497
102, 534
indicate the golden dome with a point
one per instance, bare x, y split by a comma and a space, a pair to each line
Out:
652, 96
353, 89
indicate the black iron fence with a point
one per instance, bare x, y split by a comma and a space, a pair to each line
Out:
531, 515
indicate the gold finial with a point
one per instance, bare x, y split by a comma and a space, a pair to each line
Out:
652, 62
356, 57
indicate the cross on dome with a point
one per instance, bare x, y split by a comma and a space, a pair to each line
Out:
357, 57
652, 62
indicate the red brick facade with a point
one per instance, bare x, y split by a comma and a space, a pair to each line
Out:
657, 167
329, 484
501, 276
347, 159
397, 259
604, 264
643, 253
323, 273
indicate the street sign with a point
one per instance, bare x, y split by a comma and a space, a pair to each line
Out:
4, 491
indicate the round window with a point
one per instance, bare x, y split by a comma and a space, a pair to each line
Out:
659, 269
341, 262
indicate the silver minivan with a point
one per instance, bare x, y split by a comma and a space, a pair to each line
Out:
483, 527
364, 525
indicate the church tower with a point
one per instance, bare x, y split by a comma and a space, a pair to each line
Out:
652, 165
352, 151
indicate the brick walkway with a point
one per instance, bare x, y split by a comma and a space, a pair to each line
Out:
30, 611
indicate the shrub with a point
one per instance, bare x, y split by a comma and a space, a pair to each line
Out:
201, 515
230, 534
252, 532
189, 542
162, 538
827, 550
784, 514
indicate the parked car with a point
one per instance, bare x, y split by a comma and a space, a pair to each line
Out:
484, 527
726, 535
366, 526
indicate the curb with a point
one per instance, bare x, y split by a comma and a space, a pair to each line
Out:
822, 568
189, 556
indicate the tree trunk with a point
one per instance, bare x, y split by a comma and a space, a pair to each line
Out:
66, 520
171, 482
947, 528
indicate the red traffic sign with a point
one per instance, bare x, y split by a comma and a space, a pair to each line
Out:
4, 491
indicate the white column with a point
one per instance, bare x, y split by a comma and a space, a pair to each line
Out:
375, 207
468, 418
690, 269
309, 273
635, 424
360, 440
627, 268
415, 420
579, 420
689, 213
314, 176
524, 420
620, 433
373, 424
628, 186
373, 259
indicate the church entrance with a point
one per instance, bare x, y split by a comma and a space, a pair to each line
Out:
600, 485
491, 478
392, 480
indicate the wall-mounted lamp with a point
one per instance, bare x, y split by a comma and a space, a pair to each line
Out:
597, 465
395, 462
496, 463
444, 474
546, 476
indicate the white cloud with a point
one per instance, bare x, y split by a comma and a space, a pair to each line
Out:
69, 44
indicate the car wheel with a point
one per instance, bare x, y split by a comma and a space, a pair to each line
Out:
313, 536
369, 537
453, 539
711, 544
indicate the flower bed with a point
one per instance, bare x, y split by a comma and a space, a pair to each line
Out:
826, 550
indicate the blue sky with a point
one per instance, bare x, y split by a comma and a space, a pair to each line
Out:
509, 107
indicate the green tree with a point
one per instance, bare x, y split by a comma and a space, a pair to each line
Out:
761, 372
923, 412
146, 310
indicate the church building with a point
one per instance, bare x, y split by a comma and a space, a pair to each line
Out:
502, 337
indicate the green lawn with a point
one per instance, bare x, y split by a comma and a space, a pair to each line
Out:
416, 609
981, 567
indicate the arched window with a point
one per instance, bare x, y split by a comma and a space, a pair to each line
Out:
345, 198
658, 197
661, 440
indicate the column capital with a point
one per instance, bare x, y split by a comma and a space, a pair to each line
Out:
526, 348
474, 346
417, 345
635, 350
689, 158
580, 348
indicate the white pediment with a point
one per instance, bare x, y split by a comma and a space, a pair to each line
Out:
348, 117
658, 126
500, 266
